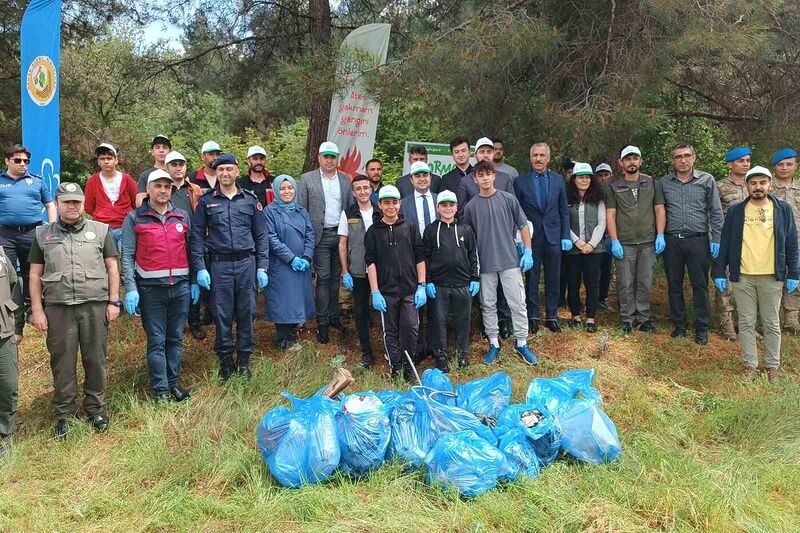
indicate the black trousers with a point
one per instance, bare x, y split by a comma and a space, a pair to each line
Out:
605, 276
692, 255
583, 268
400, 327
284, 334
459, 302
361, 299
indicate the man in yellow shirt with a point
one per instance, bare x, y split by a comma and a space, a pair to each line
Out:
759, 250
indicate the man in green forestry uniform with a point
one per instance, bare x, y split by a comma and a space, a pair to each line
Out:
12, 320
74, 296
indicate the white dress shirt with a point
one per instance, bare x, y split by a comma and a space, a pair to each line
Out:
418, 200
333, 200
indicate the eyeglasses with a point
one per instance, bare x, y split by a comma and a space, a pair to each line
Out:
682, 156
21, 161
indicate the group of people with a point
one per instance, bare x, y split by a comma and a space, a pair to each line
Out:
195, 247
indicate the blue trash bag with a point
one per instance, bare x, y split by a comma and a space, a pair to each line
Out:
300, 446
589, 435
468, 463
538, 425
435, 379
558, 393
485, 396
520, 453
412, 435
445, 419
389, 397
364, 431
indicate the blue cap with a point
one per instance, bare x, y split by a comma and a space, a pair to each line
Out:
784, 153
224, 159
737, 153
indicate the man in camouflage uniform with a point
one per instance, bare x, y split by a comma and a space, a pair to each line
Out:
732, 190
787, 188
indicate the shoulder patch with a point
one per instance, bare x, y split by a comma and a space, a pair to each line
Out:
248, 191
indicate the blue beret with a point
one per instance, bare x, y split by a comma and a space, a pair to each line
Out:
736, 153
224, 159
782, 154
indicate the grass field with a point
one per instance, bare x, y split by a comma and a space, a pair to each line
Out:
702, 450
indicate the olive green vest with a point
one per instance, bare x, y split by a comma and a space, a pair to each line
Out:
8, 278
590, 220
356, 251
74, 267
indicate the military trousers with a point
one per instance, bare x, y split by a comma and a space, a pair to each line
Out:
9, 380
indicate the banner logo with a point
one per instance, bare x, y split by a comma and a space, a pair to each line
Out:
41, 80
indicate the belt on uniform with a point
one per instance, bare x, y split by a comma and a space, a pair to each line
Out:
687, 235
231, 257
23, 229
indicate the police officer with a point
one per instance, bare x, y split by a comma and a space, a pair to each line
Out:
22, 196
732, 190
787, 188
74, 296
229, 223
11, 322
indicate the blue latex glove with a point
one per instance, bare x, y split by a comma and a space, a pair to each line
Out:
131, 301
474, 287
526, 262
194, 293
262, 278
520, 248
347, 280
791, 285
297, 264
566, 245
616, 249
430, 290
378, 301
420, 298
204, 279
721, 283
305, 264
661, 244
714, 249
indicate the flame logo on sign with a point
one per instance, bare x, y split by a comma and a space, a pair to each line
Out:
351, 162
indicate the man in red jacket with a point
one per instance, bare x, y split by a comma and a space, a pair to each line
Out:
110, 194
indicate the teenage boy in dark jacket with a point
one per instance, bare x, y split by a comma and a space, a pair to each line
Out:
451, 263
395, 261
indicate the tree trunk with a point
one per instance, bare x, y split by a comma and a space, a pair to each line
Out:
321, 109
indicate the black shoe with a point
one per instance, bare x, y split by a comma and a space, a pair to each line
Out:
226, 367
463, 361
553, 326
603, 304
179, 394
324, 334
243, 366
408, 375
442, 364
575, 323
678, 332
366, 360
591, 327
99, 422
162, 397
197, 331
505, 329
533, 326
627, 328
207, 320
62, 428
339, 326
647, 327
701, 337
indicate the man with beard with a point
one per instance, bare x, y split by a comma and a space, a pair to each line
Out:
499, 164
759, 251
374, 173
206, 176
405, 184
635, 219
786, 188
258, 178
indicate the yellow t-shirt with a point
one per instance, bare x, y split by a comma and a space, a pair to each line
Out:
758, 240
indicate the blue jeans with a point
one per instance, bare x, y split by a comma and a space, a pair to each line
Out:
164, 309
116, 235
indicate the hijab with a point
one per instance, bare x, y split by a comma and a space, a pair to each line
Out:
276, 187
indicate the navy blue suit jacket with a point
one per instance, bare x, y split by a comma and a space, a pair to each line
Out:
551, 221
408, 208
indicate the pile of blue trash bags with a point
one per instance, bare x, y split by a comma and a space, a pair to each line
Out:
469, 437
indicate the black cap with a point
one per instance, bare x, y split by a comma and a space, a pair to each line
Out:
224, 159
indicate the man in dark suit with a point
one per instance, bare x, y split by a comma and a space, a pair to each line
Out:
419, 207
543, 197
404, 184
325, 193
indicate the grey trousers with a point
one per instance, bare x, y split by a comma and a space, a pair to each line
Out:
514, 291
759, 295
634, 281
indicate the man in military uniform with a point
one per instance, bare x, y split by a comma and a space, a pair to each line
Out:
229, 223
732, 190
11, 322
74, 296
786, 188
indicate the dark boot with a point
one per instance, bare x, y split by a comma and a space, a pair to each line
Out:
441, 362
463, 360
243, 366
226, 367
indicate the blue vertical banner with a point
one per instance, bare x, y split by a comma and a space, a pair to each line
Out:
40, 57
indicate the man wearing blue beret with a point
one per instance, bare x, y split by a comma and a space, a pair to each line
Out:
786, 188
732, 190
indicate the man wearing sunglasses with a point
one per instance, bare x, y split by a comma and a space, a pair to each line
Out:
23, 197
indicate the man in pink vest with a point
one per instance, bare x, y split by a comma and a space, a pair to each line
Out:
155, 271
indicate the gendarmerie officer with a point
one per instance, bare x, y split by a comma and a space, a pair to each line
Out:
74, 296
11, 322
229, 223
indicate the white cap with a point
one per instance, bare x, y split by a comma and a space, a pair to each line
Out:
484, 141
628, 150
108, 147
256, 150
446, 196
757, 171
158, 174
419, 166
210, 146
388, 191
329, 148
174, 156
582, 169
602, 167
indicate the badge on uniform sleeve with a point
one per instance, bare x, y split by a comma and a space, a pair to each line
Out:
28, 181
90, 235
259, 206
179, 227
